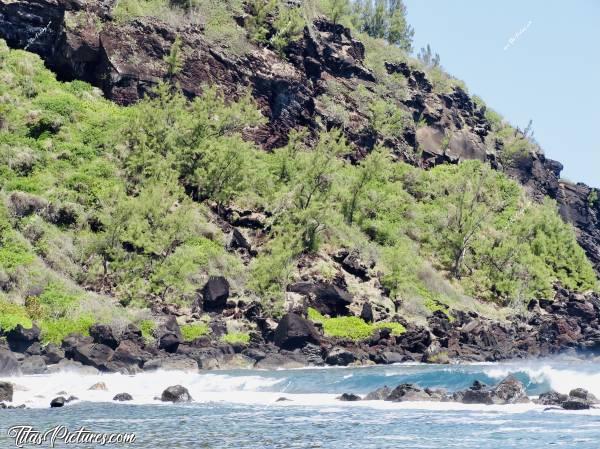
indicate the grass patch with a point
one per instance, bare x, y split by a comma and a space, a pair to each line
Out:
12, 315
351, 327
191, 332
236, 338
147, 328
55, 330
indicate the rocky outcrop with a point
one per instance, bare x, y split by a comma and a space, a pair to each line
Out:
176, 394
20, 339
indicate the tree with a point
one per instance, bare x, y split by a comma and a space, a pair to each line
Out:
174, 59
371, 168
336, 10
474, 195
384, 19
428, 58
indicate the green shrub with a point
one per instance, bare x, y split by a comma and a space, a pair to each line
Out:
191, 332
55, 330
236, 338
351, 327
147, 328
11, 315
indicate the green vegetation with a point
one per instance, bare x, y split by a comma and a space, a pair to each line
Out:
275, 23
236, 338
191, 332
110, 209
12, 315
351, 327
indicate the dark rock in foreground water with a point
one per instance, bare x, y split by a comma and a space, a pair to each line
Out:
6, 392
349, 397
123, 397
551, 398
380, 394
175, 394
58, 402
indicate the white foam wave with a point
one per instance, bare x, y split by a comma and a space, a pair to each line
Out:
560, 379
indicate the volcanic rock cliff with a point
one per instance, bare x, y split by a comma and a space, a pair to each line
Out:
79, 39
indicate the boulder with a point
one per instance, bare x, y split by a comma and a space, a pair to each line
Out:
9, 365
408, 392
169, 335
510, 391
33, 365
123, 397
367, 312
171, 364
132, 333
328, 298
20, 339
340, 357
295, 332
381, 394
52, 354
103, 334
215, 294
129, 356
478, 393
58, 402
95, 355
575, 404
279, 361
71, 341
176, 394
551, 398
581, 393
100, 386
71, 366
349, 397
6, 391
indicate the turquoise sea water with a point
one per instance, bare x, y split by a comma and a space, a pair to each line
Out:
239, 409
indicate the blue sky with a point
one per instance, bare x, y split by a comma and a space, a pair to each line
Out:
550, 73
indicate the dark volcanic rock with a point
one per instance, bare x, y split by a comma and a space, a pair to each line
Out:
96, 355
381, 394
33, 365
58, 402
349, 397
408, 392
328, 298
9, 365
575, 404
340, 357
6, 392
510, 391
169, 335
176, 393
20, 339
103, 334
215, 294
551, 398
52, 354
123, 397
295, 332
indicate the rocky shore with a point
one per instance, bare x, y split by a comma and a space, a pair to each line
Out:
569, 323
508, 391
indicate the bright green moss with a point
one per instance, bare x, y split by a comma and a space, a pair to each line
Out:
55, 330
